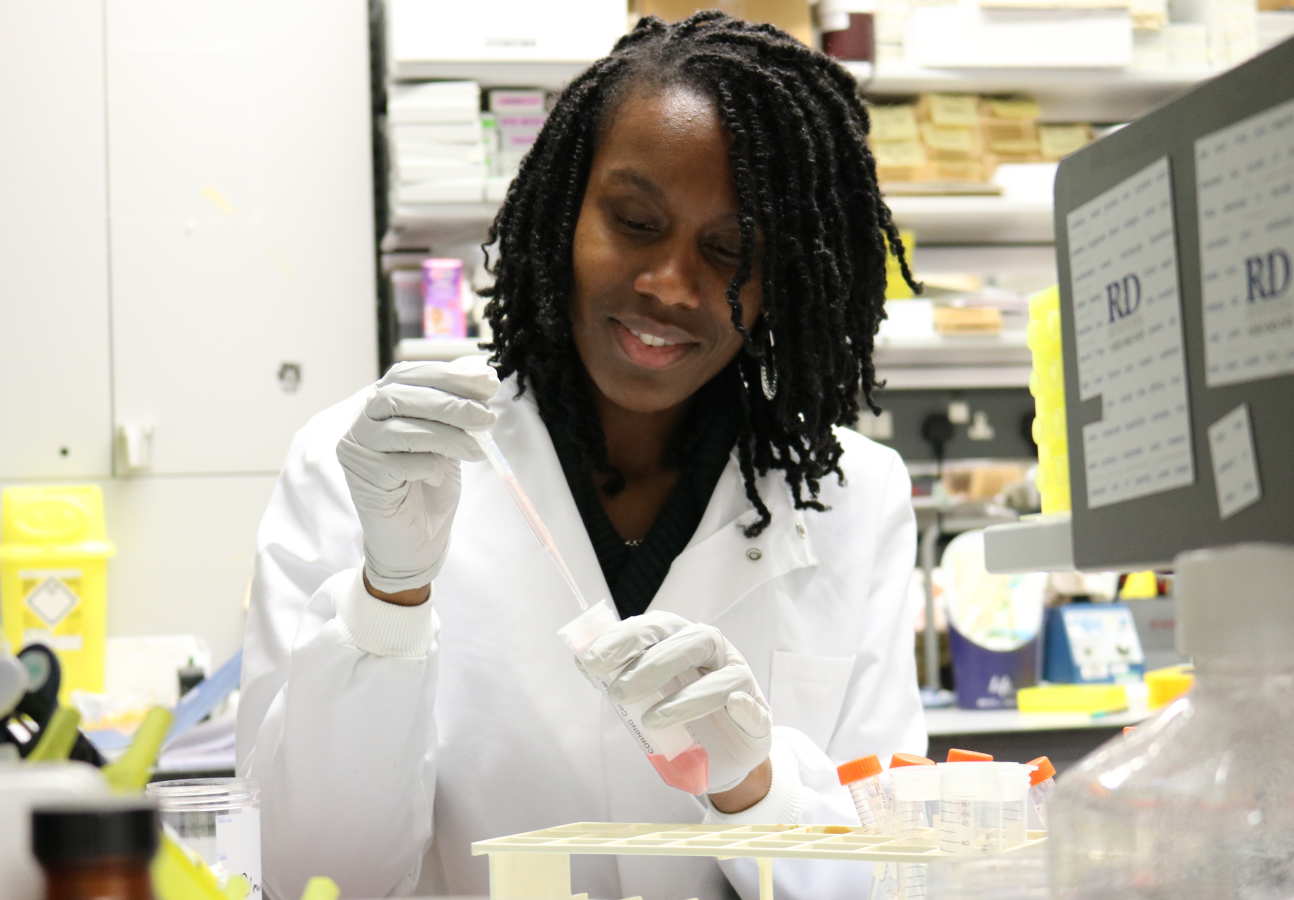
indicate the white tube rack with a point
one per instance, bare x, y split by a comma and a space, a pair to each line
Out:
536, 865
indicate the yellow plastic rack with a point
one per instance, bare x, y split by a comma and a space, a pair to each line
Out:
536, 865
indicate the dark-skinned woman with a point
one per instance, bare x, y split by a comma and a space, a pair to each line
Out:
690, 271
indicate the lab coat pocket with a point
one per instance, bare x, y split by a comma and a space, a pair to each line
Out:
807, 691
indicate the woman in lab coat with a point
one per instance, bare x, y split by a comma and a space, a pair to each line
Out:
690, 273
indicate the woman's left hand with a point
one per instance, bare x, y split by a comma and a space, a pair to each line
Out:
647, 653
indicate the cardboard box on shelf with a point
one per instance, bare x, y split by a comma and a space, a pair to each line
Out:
968, 320
1061, 140
949, 142
894, 122
966, 171
898, 160
1016, 108
954, 110
792, 16
1008, 134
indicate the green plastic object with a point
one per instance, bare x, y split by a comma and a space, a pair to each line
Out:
321, 888
58, 736
178, 875
129, 772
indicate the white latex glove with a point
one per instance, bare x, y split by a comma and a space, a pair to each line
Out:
707, 683
401, 459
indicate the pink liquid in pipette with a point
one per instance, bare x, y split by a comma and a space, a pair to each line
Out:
689, 771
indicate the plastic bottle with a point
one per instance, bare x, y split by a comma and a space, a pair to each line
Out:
99, 849
1042, 781
982, 807
1197, 801
916, 809
873, 797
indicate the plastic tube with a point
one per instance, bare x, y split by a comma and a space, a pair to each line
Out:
1042, 781
916, 808
499, 463
680, 761
872, 795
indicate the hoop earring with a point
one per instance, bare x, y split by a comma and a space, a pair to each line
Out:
768, 371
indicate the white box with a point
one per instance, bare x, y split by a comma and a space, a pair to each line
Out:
461, 190
513, 30
966, 36
443, 133
434, 102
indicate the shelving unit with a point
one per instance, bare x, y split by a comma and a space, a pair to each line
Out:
1066, 95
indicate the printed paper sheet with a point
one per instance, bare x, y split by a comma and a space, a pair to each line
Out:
1245, 182
1127, 310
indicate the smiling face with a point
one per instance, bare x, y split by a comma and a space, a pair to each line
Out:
656, 245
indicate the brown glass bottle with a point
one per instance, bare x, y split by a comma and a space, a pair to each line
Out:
98, 848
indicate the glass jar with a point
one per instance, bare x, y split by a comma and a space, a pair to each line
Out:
96, 849
217, 818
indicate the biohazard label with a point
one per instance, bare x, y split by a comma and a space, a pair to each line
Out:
52, 600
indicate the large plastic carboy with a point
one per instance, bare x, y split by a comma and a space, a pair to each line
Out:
1199, 800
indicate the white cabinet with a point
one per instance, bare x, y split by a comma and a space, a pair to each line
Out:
186, 199
241, 233
55, 406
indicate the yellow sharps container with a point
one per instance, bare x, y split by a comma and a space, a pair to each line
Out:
54, 577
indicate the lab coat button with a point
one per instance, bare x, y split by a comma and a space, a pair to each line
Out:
799, 529
754, 554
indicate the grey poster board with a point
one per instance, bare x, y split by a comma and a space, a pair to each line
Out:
1152, 529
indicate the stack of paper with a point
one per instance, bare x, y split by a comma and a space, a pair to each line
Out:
438, 149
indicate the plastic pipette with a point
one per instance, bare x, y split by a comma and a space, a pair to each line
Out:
500, 465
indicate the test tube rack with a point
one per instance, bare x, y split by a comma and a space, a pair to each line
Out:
536, 865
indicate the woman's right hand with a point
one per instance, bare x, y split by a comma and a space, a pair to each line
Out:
401, 460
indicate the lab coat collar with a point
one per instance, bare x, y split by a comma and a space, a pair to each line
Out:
719, 566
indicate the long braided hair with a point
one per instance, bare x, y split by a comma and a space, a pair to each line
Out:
804, 178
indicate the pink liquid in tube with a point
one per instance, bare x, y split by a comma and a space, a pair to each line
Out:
689, 771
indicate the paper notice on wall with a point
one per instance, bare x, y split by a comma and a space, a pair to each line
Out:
1245, 181
1235, 471
1127, 312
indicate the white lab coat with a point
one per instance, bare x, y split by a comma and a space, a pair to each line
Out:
387, 739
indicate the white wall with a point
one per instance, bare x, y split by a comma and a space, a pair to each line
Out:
187, 206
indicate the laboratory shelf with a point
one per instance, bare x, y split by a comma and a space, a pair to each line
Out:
537, 863
974, 219
551, 75
941, 722
1038, 544
957, 219
1065, 95
943, 362
1044, 544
